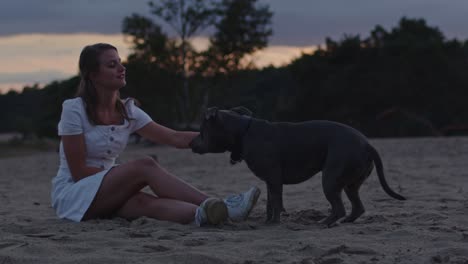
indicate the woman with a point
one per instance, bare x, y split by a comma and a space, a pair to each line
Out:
94, 129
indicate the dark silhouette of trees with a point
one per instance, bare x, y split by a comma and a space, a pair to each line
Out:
241, 27
412, 68
406, 81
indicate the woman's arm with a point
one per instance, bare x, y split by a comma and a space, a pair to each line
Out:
163, 135
75, 153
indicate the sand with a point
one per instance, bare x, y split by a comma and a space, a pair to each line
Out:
430, 227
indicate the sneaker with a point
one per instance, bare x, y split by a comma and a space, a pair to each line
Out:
212, 211
240, 205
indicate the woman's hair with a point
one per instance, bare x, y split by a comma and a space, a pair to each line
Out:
89, 63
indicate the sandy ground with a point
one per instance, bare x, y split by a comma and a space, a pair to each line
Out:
430, 227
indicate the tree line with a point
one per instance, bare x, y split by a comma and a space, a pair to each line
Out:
406, 81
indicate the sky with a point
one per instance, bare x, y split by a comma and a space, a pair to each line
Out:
40, 40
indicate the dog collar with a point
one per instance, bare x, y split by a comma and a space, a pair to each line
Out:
236, 153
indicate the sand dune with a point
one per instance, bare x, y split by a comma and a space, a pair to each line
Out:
430, 227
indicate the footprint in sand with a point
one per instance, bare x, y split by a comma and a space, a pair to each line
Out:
430, 218
306, 217
450, 255
157, 248
22, 229
294, 227
7, 245
369, 219
188, 258
62, 238
167, 237
139, 234
311, 250
41, 235
349, 250
148, 249
464, 237
193, 242
240, 226
329, 256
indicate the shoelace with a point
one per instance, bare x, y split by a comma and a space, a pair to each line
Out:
234, 199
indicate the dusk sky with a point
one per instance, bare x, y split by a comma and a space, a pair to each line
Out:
40, 40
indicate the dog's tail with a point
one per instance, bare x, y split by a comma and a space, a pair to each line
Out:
379, 167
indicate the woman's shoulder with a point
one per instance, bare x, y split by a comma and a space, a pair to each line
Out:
73, 103
130, 100
130, 103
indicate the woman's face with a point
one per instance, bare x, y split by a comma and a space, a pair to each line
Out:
111, 72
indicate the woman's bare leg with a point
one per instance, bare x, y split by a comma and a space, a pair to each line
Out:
144, 204
124, 181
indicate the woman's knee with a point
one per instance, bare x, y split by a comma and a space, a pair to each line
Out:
145, 166
146, 169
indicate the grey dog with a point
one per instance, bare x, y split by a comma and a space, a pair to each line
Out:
289, 153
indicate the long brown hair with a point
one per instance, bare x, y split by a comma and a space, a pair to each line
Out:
89, 63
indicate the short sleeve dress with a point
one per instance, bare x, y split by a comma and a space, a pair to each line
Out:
104, 143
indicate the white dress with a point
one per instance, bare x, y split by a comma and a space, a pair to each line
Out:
104, 143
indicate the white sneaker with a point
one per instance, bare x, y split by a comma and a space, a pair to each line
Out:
212, 211
240, 205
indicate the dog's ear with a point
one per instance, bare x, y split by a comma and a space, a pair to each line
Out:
241, 110
211, 113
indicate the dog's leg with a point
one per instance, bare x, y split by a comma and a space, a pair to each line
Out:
283, 210
332, 189
352, 191
274, 203
269, 206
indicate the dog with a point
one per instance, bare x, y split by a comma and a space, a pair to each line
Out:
290, 153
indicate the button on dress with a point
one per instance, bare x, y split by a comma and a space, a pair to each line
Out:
104, 143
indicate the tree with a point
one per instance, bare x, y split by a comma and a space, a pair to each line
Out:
150, 44
243, 27
186, 17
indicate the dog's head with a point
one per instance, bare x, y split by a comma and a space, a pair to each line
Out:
219, 129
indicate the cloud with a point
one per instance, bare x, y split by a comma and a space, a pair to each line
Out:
17, 81
63, 16
43, 58
295, 22
305, 22
279, 55
31, 77
45, 52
